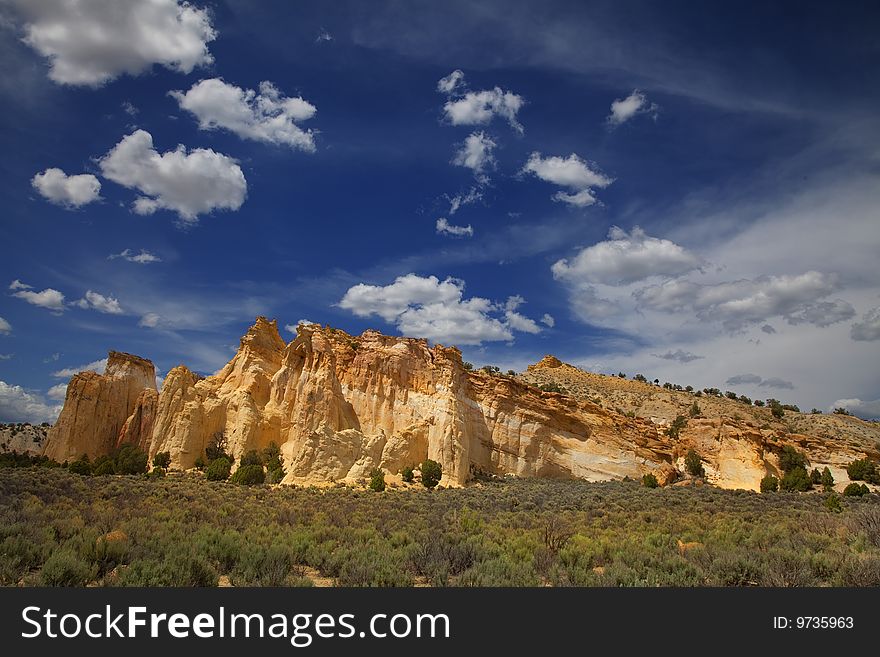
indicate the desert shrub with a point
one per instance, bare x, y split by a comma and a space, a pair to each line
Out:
377, 480
769, 484
65, 568
262, 566
128, 459
157, 473
431, 473
841, 411
776, 408
407, 474
216, 448
694, 410
251, 458
103, 467
796, 479
832, 503
674, 429
650, 481
551, 387
274, 476
82, 466
827, 479
694, 464
162, 460
468, 366
250, 474
790, 458
218, 470
816, 476
200, 463
863, 470
272, 459
855, 490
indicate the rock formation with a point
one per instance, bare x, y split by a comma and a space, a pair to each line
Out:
97, 406
339, 406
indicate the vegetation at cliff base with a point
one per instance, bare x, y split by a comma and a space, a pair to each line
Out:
61, 529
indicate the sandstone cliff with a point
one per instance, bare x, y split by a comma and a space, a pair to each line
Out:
97, 406
340, 405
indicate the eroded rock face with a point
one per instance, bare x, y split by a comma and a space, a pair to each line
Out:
97, 406
339, 406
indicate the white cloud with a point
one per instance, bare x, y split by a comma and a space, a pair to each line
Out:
6, 356
49, 298
57, 392
53, 358
150, 320
323, 37
267, 116
436, 310
445, 228
96, 301
90, 43
623, 109
737, 304
571, 172
19, 405
478, 107
95, 366
451, 82
67, 191
473, 195
142, 258
869, 328
291, 328
626, 258
5, 327
476, 153
868, 410
679, 355
129, 108
548, 321
190, 184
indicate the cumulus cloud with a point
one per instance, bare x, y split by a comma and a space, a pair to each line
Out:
754, 379
571, 172
70, 192
445, 228
744, 379
679, 355
867, 410
430, 308
267, 116
142, 258
57, 392
49, 298
456, 202
292, 328
738, 304
478, 107
95, 366
19, 405
626, 258
476, 153
623, 109
95, 301
869, 328
5, 327
548, 321
323, 37
91, 43
189, 184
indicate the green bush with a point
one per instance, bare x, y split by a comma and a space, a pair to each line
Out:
796, 479
769, 484
790, 458
855, 490
407, 474
162, 460
65, 568
219, 469
431, 473
82, 466
674, 429
816, 476
776, 408
251, 458
650, 481
274, 476
694, 464
200, 463
832, 503
157, 473
694, 410
249, 475
377, 480
128, 459
103, 467
827, 479
863, 470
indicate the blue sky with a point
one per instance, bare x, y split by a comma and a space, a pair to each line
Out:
686, 192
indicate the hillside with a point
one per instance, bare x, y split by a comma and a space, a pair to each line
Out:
23, 437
